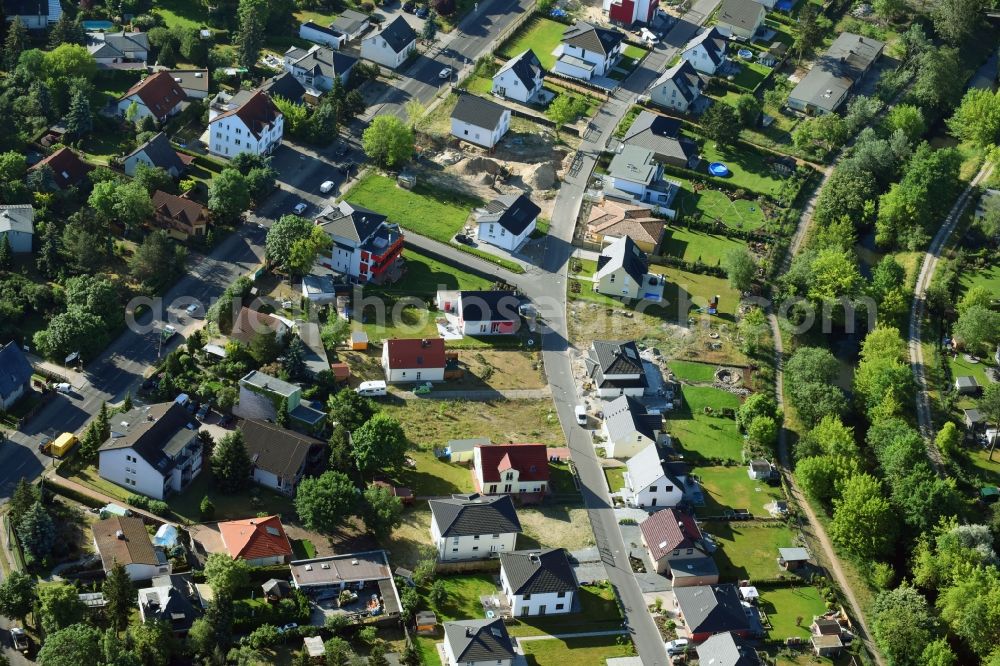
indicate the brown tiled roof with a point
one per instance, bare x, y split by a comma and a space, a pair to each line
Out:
159, 92
257, 113
67, 166
251, 322
186, 214
669, 530
134, 546
620, 219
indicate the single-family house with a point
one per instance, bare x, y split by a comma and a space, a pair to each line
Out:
511, 469
124, 540
740, 19
480, 121
587, 51
507, 221
826, 86
351, 23
251, 323
482, 312
365, 574
727, 649
520, 78
711, 609
17, 226
413, 360
318, 34
247, 122
826, 637
156, 153
759, 469
119, 50
636, 177
173, 599
651, 483
154, 450
262, 394
473, 527
68, 169
622, 271
611, 219
318, 67
285, 86
964, 385
791, 559
392, 45
677, 548
180, 217
662, 135
15, 375
194, 82
706, 52
538, 582
366, 247
34, 14
678, 88
616, 369
478, 643
628, 429
260, 541
279, 456
157, 96
629, 12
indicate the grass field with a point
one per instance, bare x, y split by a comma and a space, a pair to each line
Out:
785, 606
462, 598
322, 18
434, 422
615, 477
303, 549
983, 277
731, 488
598, 612
748, 550
434, 477
229, 506
751, 74
559, 652
554, 526
703, 435
541, 35
749, 170
693, 372
695, 245
182, 13
428, 211
745, 214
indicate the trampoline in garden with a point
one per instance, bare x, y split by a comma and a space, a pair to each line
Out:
784, 5
746, 54
718, 169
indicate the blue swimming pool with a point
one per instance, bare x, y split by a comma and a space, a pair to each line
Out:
718, 169
97, 25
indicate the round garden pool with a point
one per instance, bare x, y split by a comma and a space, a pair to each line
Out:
746, 54
718, 169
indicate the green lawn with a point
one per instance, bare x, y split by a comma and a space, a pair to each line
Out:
703, 435
322, 18
751, 74
732, 488
303, 549
962, 368
182, 13
694, 245
615, 477
983, 277
592, 102
462, 598
599, 611
229, 506
744, 214
433, 477
748, 166
482, 85
634, 52
559, 652
539, 34
424, 209
561, 479
434, 422
748, 550
693, 372
784, 606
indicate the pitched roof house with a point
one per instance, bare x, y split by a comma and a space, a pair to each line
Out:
481, 312
651, 483
157, 95
826, 86
675, 544
352, 23
511, 468
261, 395
251, 323
413, 360
180, 217
661, 135
118, 50
611, 219
507, 221
587, 51
706, 52
286, 86
678, 88
279, 455
480, 121
68, 169
173, 599
15, 374
740, 19
711, 609
635, 176
17, 225
194, 82
471, 526
478, 643
259, 541
366, 246
616, 368
520, 78
319, 34
622, 271
727, 650
35, 14
318, 67
538, 582
391, 46
627, 427
157, 152
247, 122
124, 540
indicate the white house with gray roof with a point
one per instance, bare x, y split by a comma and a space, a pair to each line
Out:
622, 271
351, 23
616, 369
649, 483
740, 19
479, 121
118, 50
318, 34
391, 46
636, 177
34, 14
507, 221
478, 643
628, 429
473, 527
365, 247
827, 85
538, 582
155, 153
678, 88
588, 51
17, 225
520, 78
706, 52
727, 650
661, 135
318, 67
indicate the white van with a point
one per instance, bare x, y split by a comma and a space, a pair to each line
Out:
371, 389
581, 414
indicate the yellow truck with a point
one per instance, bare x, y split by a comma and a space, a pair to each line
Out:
62, 445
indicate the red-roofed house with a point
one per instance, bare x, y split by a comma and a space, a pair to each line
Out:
67, 167
259, 541
247, 122
158, 96
180, 217
675, 544
413, 360
511, 468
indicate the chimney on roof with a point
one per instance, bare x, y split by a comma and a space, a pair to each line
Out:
534, 558
468, 631
120, 535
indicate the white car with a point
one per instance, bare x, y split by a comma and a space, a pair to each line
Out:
446, 73
677, 646
288, 627
300, 208
191, 309
327, 186
64, 387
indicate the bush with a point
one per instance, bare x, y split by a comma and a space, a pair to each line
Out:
443, 7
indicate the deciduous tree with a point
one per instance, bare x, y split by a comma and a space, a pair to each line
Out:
284, 234
70, 646
977, 118
388, 141
381, 510
350, 410
228, 195
379, 444
226, 575
864, 523
59, 606
324, 502
17, 595
741, 268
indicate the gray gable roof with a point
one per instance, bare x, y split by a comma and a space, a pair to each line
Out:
741, 13
157, 433
525, 66
645, 469
713, 41
479, 640
398, 34
591, 38
349, 221
618, 357
160, 153
538, 571
17, 217
843, 64
625, 415
490, 306
660, 133
726, 650
623, 253
633, 163
285, 86
324, 61
350, 21
468, 515
711, 608
513, 212
478, 111
15, 371
686, 78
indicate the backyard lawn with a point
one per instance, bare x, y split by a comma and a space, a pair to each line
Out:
182, 13
425, 276
749, 169
303, 549
434, 477
462, 596
744, 214
702, 435
694, 245
434, 422
598, 612
322, 18
539, 34
229, 506
426, 210
983, 277
784, 606
748, 551
589, 650
555, 526
615, 477
751, 74
693, 372
731, 488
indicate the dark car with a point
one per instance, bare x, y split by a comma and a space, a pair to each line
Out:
463, 239
422, 12
227, 420
409, 7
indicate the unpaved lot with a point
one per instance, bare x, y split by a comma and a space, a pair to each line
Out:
555, 526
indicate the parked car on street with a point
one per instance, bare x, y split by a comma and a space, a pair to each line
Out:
422, 12
409, 6
300, 208
327, 186
446, 73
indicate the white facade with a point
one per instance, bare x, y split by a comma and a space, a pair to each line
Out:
316, 34
128, 469
510, 482
487, 137
376, 49
625, 445
142, 110
144, 571
495, 234
668, 95
593, 63
20, 240
698, 56
472, 546
524, 605
661, 493
40, 21
7, 401
508, 85
403, 375
229, 137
